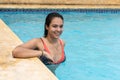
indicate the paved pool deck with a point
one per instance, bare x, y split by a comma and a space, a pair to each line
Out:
19, 69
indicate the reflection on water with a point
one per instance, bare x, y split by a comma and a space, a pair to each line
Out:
53, 67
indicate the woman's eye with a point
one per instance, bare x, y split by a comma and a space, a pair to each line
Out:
54, 26
61, 26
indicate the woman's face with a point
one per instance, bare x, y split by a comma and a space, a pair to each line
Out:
55, 28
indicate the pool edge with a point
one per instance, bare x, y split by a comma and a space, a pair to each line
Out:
42, 6
7, 44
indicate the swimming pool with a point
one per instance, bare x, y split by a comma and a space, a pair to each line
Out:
91, 36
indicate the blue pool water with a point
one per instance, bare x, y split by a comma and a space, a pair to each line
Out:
92, 41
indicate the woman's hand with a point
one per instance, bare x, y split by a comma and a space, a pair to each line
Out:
47, 55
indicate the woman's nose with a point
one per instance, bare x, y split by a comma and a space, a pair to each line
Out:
58, 29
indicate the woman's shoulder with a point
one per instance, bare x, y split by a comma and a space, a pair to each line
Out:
36, 40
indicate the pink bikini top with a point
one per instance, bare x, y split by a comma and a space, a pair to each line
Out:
62, 56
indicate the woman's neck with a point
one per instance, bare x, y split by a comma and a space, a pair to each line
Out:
51, 40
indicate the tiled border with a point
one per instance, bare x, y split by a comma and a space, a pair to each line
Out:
74, 10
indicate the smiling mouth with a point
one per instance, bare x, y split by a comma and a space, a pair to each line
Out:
58, 33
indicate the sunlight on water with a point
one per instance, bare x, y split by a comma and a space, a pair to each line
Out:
92, 42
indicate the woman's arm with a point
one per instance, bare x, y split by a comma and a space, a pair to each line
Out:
26, 50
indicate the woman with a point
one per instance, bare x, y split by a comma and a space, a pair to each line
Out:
50, 48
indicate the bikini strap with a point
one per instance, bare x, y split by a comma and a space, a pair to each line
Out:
45, 47
63, 56
61, 43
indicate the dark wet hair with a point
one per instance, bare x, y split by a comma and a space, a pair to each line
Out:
48, 20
